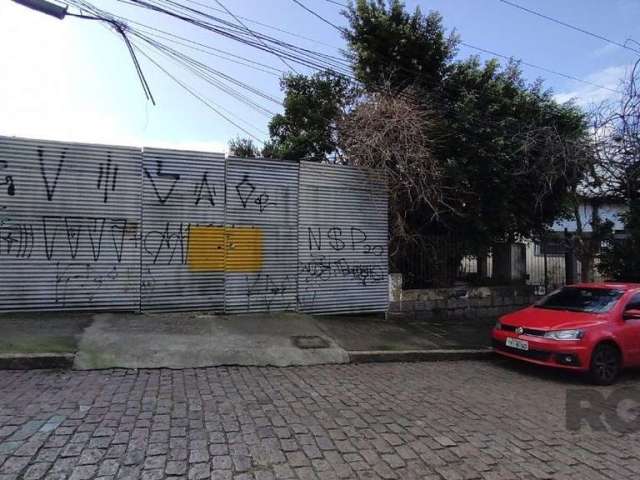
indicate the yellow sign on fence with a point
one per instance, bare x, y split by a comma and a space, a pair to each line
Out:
214, 249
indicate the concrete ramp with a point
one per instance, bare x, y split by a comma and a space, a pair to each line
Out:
197, 339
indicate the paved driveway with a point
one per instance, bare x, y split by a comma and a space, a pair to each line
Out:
447, 420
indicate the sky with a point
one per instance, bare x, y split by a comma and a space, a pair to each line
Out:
73, 80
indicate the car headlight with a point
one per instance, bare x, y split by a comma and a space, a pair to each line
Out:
498, 325
565, 334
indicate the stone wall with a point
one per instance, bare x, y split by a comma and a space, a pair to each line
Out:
459, 302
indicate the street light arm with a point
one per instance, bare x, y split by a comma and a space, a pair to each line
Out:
45, 7
120, 28
60, 12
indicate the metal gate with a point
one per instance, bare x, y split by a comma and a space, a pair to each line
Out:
262, 237
69, 226
342, 240
183, 230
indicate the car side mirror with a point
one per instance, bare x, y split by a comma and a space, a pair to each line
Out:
631, 314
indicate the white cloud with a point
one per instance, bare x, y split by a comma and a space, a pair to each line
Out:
584, 95
606, 49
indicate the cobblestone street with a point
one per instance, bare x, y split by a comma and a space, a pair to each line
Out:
447, 420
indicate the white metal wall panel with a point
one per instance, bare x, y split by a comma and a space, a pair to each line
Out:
261, 219
343, 234
183, 230
69, 226
96, 227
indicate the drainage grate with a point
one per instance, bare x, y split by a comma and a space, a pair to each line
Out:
310, 342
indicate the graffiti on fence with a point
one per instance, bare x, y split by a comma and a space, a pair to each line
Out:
76, 231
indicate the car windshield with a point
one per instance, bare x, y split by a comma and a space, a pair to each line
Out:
575, 299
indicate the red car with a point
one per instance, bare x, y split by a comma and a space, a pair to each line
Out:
590, 327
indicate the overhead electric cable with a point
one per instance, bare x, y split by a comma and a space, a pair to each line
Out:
532, 65
568, 25
210, 75
317, 15
252, 33
266, 25
291, 52
197, 96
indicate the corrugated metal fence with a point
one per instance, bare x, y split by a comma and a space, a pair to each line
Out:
96, 227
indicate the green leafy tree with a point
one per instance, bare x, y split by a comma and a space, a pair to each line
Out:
517, 151
389, 46
307, 128
507, 151
243, 147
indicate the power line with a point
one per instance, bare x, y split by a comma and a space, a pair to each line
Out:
338, 3
252, 33
266, 25
185, 42
197, 96
238, 59
548, 70
568, 25
271, 45
200, 74
544, 69
317, 15
274, 46
119, 28
214, 77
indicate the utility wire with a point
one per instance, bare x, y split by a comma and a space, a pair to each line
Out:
266, 25
317, 15
351, 78
196, 95
238, 59
266, 43
206, 50
544, 69
214, 76
199, 74
187, 62
568, 25
119, 28
252, 33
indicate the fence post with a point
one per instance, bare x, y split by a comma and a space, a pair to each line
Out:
570, 260
482, 257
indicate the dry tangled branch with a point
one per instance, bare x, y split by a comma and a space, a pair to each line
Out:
616, 129
388, 133
546, 156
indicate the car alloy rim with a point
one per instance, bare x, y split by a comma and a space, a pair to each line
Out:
606, 364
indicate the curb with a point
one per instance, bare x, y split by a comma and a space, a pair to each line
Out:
377, 356
30, 361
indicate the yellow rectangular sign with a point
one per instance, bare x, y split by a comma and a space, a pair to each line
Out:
208, 247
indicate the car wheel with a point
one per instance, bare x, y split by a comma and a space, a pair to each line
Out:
605, 364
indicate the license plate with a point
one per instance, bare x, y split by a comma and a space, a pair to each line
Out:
519, 344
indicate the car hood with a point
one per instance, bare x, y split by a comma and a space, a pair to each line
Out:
547, 319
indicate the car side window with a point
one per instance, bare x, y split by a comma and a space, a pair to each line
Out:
633, 303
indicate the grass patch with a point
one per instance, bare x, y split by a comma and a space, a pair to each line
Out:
38, 344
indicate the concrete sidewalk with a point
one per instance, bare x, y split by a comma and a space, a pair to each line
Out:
372, 338
198, 339
374, 332
202, 339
